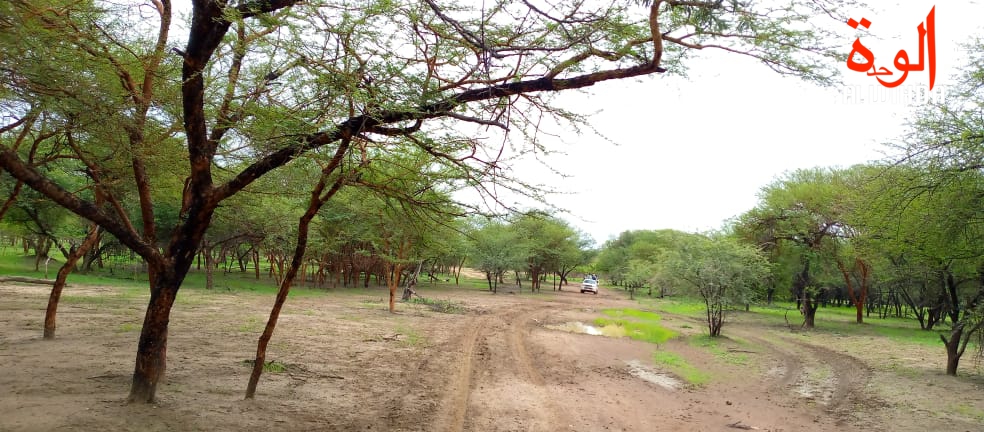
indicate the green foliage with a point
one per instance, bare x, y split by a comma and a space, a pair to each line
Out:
632, 258
720, 270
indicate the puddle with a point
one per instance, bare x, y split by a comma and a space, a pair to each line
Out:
816, 384
639, 370
577, 327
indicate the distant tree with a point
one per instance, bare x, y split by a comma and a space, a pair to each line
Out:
799, 213
494, 249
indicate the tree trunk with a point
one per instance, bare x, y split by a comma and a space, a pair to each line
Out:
953, 352
152, 347
317, 201
256, 263
810, 306
457, 273
51, 313
209, 265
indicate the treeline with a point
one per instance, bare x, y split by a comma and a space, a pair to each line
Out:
898, 238
360, 239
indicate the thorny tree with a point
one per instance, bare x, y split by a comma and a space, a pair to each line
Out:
259, 83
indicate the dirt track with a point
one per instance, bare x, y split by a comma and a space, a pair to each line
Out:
498, 367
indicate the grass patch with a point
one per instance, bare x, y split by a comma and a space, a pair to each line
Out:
412, 337
685, 307
713, 345
442, 306
636, 324
841, 321
970, 411
676, 364
373, 301
634, 313
252, 325
128, 327
271, 366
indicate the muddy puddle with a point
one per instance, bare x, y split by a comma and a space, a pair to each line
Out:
639, 370
576, 327
580, 327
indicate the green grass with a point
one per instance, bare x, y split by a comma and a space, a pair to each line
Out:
842, 321
634, 313
969, 411
713, 345
676, 364
678, 306
835, 320
128, 327
636, 324
125, 294
412, 337
252, 325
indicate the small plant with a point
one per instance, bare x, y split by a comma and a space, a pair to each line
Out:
271, 366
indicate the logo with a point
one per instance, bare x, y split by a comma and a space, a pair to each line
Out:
902, 64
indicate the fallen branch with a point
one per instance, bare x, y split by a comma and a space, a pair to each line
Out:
22, 279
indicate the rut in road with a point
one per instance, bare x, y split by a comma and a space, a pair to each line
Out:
841, 389
493, 354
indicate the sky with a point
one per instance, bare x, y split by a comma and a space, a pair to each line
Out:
690, 153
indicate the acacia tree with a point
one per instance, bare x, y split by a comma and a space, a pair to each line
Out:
800, 211
722, 271
494, 249
261, 83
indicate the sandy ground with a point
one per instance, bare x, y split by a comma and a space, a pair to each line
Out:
502, 365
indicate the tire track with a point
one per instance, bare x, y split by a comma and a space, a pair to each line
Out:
519, 328
509, 332
838, 392
456, 400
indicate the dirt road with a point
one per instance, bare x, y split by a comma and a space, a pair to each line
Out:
501, 366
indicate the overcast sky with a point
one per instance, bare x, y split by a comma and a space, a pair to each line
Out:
694, 152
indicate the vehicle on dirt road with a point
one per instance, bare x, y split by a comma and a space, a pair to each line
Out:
589, 285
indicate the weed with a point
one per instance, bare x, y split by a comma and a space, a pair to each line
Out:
271, 366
